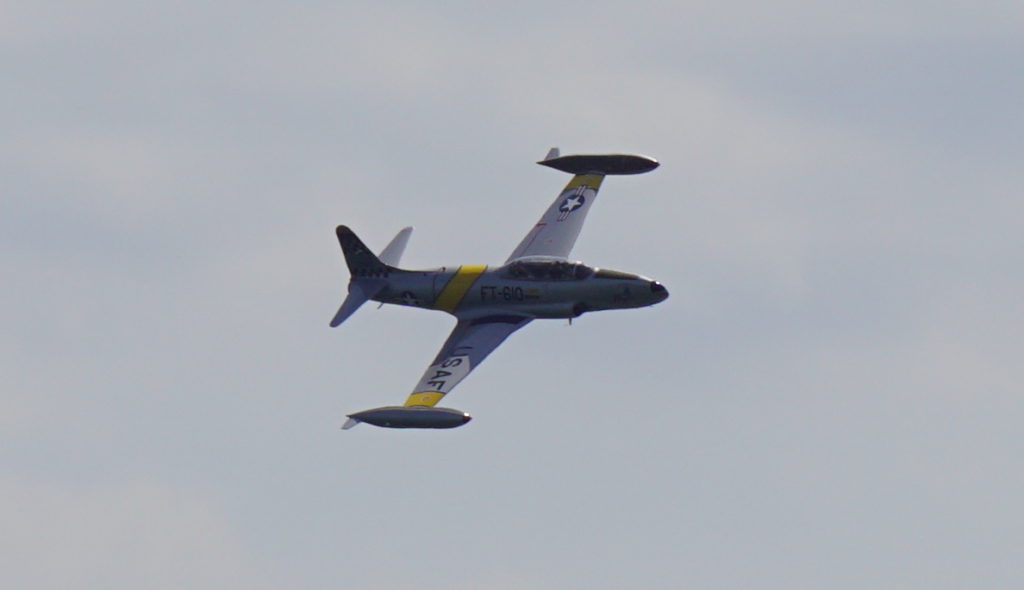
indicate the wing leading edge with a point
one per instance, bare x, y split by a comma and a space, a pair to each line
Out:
557, 230
467, 346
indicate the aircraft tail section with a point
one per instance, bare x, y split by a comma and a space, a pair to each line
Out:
369, 273
362, 262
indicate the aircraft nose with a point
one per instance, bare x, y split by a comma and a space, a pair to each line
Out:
659, 290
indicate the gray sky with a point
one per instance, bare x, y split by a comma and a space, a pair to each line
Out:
830, 398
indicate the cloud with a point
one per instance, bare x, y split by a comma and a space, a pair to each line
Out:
836, 217
108, 535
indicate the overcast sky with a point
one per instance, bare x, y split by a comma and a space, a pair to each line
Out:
831, 397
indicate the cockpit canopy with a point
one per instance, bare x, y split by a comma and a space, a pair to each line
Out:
546, 269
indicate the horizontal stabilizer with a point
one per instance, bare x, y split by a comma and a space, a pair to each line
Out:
391, 255
358, 293
601, 164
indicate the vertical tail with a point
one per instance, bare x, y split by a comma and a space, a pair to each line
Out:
362, 263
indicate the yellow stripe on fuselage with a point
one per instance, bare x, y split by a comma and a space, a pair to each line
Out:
424, 398
456, 288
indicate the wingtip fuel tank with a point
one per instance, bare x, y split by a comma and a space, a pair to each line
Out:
409, 417
600, 164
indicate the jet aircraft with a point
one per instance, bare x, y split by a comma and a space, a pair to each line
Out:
537, 281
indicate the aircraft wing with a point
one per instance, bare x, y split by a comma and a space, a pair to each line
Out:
467, 346
556, 231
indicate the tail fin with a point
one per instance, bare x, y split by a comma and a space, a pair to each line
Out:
362, 263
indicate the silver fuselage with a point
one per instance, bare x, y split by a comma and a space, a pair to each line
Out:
557, 290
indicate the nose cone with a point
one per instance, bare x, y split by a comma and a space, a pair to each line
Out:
659, 291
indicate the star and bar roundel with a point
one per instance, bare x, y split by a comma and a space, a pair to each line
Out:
573, 201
